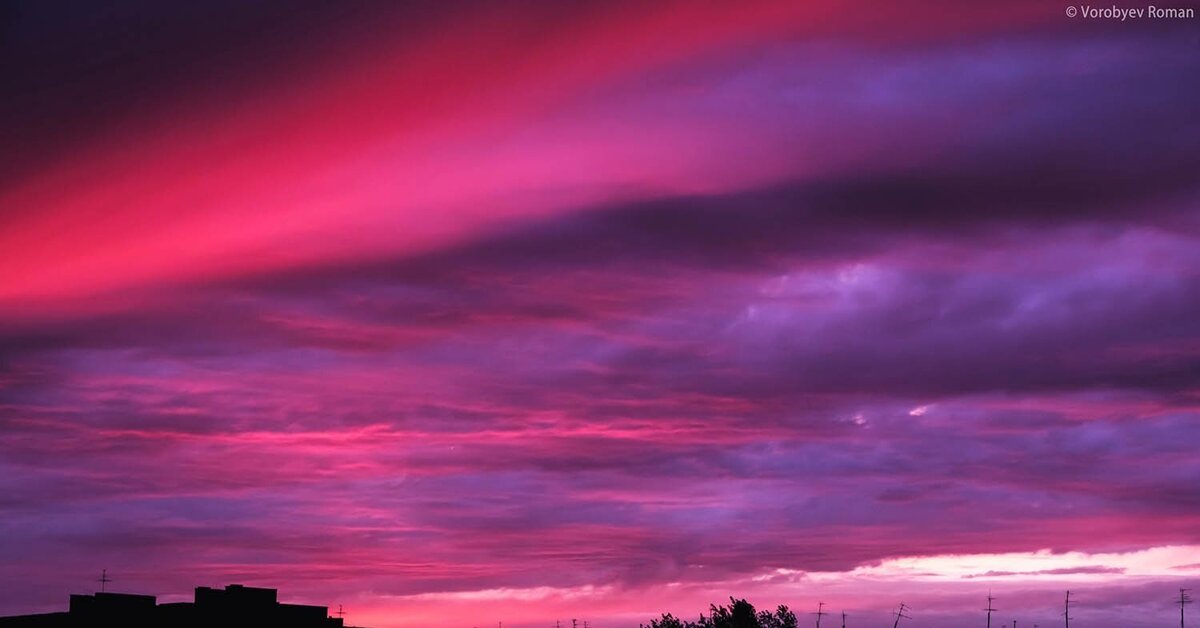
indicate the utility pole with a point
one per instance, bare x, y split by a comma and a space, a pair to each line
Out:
989, 609
900, 614
1067, 611
104, 579
1184, 600
820, 613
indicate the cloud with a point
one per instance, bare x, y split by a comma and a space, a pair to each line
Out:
761, 320
1066, 571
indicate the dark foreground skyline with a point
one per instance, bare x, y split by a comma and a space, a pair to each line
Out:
234, 606
533, 310
239, 606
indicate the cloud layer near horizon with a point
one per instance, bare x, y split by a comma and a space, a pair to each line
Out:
668, 303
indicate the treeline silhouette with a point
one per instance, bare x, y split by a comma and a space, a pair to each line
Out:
739, 614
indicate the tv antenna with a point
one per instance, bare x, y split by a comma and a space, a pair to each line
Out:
820, 613
843, 619
104, 579
1067, 611
900, 614
989, 609
1184, 600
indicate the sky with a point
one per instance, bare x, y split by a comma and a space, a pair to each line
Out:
468, 312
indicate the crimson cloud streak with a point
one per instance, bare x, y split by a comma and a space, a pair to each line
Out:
468, 312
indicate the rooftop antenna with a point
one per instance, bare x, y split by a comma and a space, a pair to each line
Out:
820, 613
843, 619
989, 609
104, 579
900, 614
341, 611
1184, 600
1067, 611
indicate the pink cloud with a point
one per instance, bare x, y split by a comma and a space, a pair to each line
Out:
537, 314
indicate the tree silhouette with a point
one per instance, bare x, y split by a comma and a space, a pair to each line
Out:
668, 621
738, 614
783, 617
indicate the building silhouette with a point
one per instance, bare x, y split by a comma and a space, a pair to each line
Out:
235, 606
